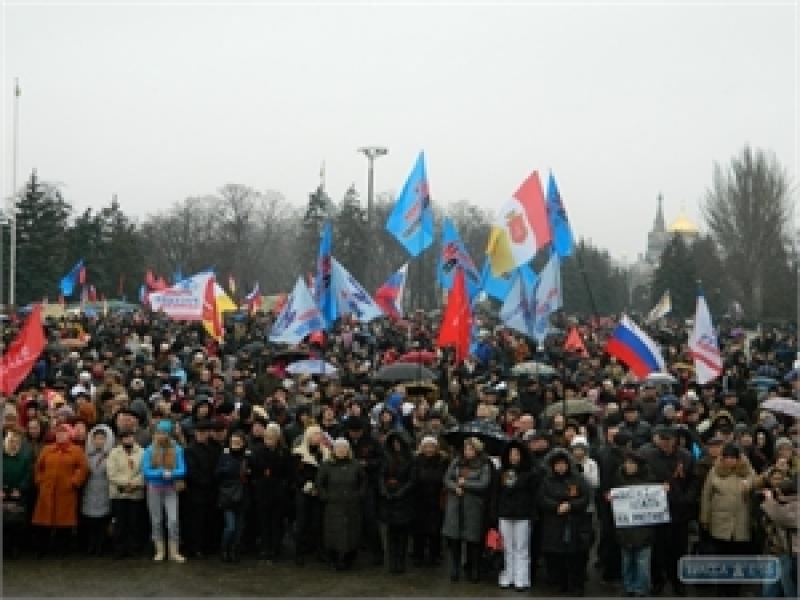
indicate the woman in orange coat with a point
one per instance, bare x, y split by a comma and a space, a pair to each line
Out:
61, 470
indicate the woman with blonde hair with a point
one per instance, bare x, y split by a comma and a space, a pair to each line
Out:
309, 455
163, 466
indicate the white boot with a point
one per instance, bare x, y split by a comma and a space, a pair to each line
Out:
174, 555
159, 551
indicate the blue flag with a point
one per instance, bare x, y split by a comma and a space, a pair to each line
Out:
350, 295
499, 287
177, 276
71, 279
299, 318
455, 254
411, 220
559, 223
323, 290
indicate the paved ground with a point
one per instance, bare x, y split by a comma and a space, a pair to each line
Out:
95, 577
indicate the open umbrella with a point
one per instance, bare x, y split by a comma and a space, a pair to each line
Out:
253, 347
784, 406
763, 382
399, 372
660, 378
290, 356
532, 368
493, 438
419, 388
312, 367
572, 407
422, 357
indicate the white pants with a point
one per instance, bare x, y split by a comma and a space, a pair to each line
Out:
516, 536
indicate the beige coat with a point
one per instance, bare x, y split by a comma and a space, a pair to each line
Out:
725, 503
125, 469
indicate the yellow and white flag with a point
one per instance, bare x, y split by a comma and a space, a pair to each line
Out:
662, 309
520, 229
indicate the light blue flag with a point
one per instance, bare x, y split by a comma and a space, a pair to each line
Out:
519, 307
411, 220
559, 222
548, 296
323, 290
177, 276
299, 318
453, 254
499, 287
70, 280
351, 297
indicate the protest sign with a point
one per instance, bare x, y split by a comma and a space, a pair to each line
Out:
639, 505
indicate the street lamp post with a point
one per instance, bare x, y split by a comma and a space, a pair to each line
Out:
372, 153
12, 214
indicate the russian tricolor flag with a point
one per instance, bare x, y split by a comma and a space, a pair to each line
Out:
390, 295
635, 348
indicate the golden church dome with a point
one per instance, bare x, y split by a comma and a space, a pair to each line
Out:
683, 225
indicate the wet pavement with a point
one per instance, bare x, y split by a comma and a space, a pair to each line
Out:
95, 577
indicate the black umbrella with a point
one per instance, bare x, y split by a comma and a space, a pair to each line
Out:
290, 356
493, 438
399, 372
253, 347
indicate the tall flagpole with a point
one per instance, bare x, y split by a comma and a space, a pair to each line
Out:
12, 271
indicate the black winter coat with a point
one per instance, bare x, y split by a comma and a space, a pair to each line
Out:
515, 494
396, 480
271, 472
428, 494
201, 465
676, 469
571, 532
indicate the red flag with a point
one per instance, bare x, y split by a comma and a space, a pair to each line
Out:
211, 317
456, 328
574, 343
23, 353
82, 276
92, 294
156, 285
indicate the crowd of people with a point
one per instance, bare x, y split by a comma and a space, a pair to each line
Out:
148, 439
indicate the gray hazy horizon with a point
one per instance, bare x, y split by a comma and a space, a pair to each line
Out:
159, 103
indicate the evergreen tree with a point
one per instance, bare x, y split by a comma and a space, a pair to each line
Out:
122, 257
677, 273
42, 216
351, 246
590, 274
311, 224
85, 242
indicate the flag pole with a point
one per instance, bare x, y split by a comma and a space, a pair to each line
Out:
582, 269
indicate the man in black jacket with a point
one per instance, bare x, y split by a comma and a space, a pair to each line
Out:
639, 430
673, 467
200, 497
609, 460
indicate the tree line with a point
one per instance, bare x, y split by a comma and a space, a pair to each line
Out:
261, 236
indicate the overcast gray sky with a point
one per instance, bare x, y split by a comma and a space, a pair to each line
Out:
157, 103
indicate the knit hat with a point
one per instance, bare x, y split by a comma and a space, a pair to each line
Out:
731, 451
341, 442
164, 426
783, 442
579, 442
475, 443
429, 439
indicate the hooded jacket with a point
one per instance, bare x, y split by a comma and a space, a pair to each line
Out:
96, 492
640, 536
516, 486
725, 503
396, 481
570, 532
